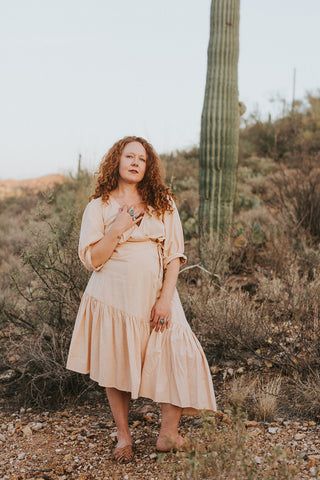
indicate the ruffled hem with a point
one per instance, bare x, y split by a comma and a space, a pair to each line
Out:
117, 350
101, 332
176, 371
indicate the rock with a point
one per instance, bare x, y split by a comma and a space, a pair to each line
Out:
257, 459
21, 456
251, 423
214, 369
68, 469
113, 435
149, 418
226, 420
313, 460
218, 415
254, 432
10, 428
146, 409
153, 456
2, 438
273, 430
7, 375
27, 432
299, 436
37, 426
59, 470
240, 370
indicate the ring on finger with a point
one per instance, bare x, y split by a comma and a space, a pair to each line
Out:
167, 320
134, 218
161, 321
131, 212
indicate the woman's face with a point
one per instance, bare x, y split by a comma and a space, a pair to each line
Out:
133, 162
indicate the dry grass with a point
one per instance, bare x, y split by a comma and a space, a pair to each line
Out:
222, 452
257, 397
228, 322
266, 399
306, 395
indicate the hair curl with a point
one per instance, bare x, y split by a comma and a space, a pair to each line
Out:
151, 188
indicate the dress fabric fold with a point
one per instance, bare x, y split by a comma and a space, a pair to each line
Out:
112, 340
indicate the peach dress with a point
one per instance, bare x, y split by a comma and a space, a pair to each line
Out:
112, 340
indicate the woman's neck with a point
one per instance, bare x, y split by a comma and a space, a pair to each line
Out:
127, 191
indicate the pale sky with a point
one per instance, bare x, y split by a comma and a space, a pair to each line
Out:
77, 75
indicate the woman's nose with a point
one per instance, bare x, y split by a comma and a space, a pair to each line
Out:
134, 161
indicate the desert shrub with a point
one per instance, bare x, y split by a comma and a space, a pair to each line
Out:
292, 136
14, 214
251, 231
181, 170
259, 139
298, 195
227, 322
305, 395
49, 289
256, 396
292, 305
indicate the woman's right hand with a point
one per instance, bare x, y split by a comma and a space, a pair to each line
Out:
103, 249
124, 220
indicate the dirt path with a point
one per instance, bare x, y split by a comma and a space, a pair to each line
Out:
77, 444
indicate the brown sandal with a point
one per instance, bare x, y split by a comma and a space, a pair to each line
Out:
123, 454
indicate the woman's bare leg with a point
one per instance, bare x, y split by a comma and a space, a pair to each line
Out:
169, 436
119, 402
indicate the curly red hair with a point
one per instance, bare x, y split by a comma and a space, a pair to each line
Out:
151, 188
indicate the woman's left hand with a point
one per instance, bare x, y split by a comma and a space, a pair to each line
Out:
160, 315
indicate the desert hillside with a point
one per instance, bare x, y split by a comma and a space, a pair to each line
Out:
10, 187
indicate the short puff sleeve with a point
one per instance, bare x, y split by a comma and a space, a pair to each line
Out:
173, 243
92, 230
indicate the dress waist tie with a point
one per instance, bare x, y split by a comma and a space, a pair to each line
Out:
160, 255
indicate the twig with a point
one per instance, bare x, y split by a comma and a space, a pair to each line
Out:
201, 268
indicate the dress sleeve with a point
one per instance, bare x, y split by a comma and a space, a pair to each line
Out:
174, 243
92, 230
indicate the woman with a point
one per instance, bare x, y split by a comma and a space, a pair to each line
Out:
131, 334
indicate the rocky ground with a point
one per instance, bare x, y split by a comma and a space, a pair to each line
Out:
77, 443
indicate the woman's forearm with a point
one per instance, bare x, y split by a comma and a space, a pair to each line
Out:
104, 248
170, 279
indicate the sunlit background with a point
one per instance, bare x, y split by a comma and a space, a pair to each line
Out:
76, 75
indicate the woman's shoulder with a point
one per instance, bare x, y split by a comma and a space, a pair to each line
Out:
98, 207
98, 203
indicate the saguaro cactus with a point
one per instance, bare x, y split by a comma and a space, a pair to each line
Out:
220, 122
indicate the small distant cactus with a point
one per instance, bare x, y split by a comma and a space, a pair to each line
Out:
220, 122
